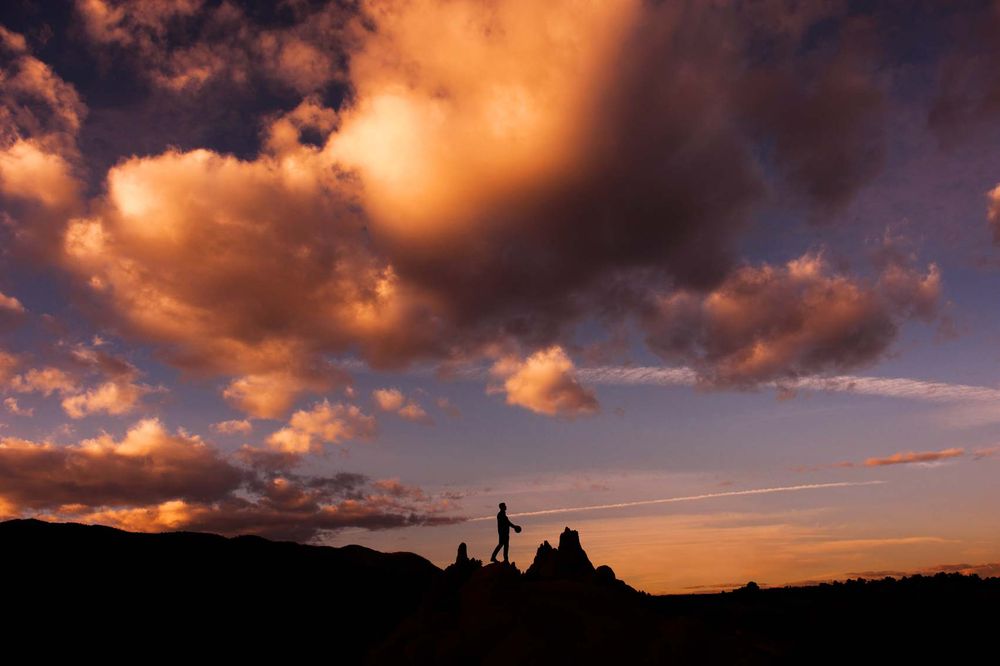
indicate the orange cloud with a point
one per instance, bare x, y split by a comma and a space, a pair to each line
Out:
308, 430
414, 412
993, 212
233, 427
985, 452
270, 395
166, 516
288, 512
117, 389
114, 397
545, 383
907, 457
769, 322
393, 400
34, 101
14, 408
388, 400
244, 224
10, 304
446, 406
8, 363
900, 458
232, 222
436, 137
152, 480
146, 465
122, 21
40, 116
47, 380
29, 173
209, 44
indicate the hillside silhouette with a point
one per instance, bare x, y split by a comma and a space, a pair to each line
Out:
105, 591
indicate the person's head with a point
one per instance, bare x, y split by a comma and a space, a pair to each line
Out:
503, 507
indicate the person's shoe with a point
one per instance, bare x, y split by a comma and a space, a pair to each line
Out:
493, 560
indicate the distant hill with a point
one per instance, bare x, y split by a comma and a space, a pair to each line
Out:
183, 592
105, 592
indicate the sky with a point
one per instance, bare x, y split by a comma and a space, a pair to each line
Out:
713, 283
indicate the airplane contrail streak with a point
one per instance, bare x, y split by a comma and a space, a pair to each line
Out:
691, 498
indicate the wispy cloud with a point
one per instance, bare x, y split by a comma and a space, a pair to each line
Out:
908, 457
985, 452
890, 387
692, 498
899, 458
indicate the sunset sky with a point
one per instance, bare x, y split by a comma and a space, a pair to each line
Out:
355, 272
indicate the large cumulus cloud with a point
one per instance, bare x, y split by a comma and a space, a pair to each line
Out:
499, 173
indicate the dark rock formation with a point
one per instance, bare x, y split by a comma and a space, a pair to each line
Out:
567, 562
605, 575
456, 574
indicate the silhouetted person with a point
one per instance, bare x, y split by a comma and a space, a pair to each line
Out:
503, 530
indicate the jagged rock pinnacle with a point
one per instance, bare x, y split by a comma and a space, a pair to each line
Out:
569, 560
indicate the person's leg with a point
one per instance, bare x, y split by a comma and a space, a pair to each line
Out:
506, 545
493, 557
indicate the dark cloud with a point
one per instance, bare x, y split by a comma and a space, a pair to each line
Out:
768, 323
823, 114
152, 480
665, 183
298, 523
967, 90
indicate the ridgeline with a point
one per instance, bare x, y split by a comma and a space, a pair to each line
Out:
106, 592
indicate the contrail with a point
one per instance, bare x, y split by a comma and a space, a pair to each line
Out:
691, 498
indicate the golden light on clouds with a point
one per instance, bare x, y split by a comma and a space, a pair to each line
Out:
499, 99
545, 383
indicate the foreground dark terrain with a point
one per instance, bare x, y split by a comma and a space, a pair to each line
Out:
109, 592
